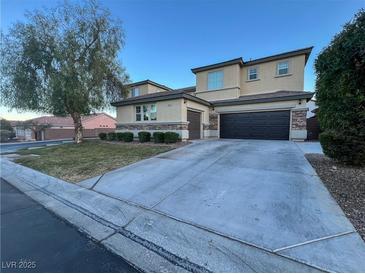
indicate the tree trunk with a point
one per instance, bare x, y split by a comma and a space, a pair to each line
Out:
78, 127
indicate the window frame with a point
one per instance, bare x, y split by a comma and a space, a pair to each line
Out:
249, 73
153, 112
214, 84
278, 68
133, 92
138, 113
145, 114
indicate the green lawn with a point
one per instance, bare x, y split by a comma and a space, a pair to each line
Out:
74, 163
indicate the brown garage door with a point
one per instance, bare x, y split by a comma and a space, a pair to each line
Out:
194, 124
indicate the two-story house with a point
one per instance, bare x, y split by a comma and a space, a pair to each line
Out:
256, 99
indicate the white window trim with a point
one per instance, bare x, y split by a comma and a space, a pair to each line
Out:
142, 113
277, 68
210, 73
257, 74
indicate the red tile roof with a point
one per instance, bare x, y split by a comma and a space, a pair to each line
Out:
58, 121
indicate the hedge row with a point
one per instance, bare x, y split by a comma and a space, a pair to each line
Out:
119, 136
143, 136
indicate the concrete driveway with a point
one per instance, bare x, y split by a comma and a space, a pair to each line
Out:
212, 206
263, 193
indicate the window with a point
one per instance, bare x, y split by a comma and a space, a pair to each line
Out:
153, 113
252, 74
135, 92
146, 113
215, 80
282, 68
138, 113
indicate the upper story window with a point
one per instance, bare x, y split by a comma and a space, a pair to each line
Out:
146, 112
135, 92
252, 74
282, 68
215, 80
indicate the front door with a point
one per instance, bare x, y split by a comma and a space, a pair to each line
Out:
194, 119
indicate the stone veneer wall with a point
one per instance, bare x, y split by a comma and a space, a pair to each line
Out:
213, 121
299, 120
153, 126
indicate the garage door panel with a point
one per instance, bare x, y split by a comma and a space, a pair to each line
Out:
272, 125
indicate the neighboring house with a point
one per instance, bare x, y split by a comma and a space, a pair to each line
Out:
55, 127
21, 132
256, 99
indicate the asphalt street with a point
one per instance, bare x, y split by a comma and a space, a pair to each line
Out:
13, 147
35, 240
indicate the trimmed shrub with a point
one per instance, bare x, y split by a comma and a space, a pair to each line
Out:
5, 135
111, 136
119, 136
340, 147
171, 137
128, 136
144, 136
159, 137
340, 89
102, 136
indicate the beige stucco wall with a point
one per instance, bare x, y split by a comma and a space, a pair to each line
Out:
143, 89
220, 94
146, 88
260, 107
269, 81
230, 84
125, 114
167, 111
190, 105
154, 89
170, 111
235, 81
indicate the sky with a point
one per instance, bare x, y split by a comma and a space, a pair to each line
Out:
166, 38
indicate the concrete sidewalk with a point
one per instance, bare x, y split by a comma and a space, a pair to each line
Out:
156, 239
310, 147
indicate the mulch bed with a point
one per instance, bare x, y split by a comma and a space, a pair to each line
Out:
347, 186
